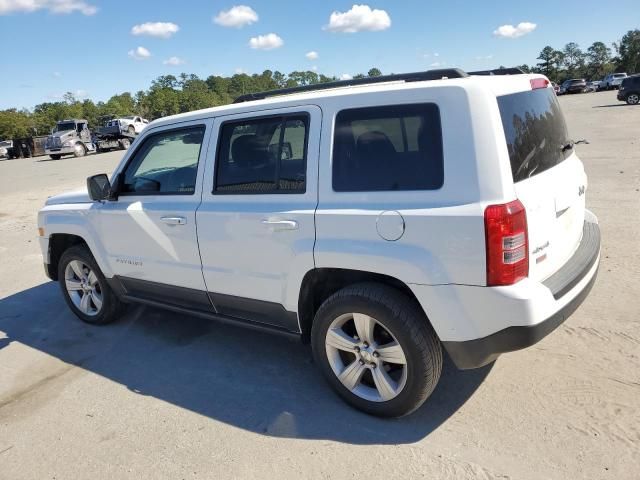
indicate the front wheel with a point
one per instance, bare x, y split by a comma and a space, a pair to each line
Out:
55, 157
79, 150
377, 350
125, 144
85, 288
633, 98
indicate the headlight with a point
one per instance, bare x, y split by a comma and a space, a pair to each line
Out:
67, 143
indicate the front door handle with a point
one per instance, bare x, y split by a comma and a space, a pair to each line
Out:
281, 224
174, 220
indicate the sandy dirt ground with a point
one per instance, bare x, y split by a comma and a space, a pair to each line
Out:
158, 395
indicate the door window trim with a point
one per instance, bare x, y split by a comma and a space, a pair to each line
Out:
283, 117
122, 171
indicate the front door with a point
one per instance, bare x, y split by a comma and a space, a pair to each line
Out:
149, 232
256, 222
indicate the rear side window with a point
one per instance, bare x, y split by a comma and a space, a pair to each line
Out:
535, 131
263, 155
389, 148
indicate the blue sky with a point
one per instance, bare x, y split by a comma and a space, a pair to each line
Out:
88, 47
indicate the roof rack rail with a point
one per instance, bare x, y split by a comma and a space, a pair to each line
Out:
499, 71
405, 77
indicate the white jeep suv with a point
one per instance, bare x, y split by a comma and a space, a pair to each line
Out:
381, 220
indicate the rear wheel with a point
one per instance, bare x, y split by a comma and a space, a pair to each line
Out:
131, 129
376, 349
633, 98
85, 288
125, 144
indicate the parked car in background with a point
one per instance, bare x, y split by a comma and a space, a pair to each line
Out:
613, 80
132, 124
629, 90
593, 86
573, 85
5, 145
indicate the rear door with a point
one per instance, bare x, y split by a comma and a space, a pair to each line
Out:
549, 177
256, 222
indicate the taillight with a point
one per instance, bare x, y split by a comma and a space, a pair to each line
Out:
506, 243
539, 83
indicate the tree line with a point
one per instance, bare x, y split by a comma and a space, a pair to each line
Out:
169, 94
594, 63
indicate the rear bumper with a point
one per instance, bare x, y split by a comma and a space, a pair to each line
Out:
477, 324
480, 352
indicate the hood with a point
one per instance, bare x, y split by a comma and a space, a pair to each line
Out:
64, 134
76, 196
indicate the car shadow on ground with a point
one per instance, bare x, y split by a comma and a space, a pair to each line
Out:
611, 105
252, 380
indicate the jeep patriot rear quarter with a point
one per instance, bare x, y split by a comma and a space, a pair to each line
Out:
379, 219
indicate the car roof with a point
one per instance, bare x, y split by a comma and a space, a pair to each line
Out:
493, 84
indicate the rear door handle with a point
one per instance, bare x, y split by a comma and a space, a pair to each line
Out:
281, 224
174, 220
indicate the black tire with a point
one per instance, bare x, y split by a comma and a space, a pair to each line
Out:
55, 157
111, 306
131, 129
125, 143
633, 99
402, 317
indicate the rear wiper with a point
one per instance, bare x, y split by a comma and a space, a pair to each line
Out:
571, 143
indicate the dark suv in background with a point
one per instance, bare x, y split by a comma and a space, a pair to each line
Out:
630, 90
573, 85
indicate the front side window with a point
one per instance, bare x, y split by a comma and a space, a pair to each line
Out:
263, 155
389, 148
166, 163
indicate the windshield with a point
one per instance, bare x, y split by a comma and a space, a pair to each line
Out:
131, 117
620, 75
61, 127
535, 131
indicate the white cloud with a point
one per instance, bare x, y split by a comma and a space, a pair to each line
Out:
53, 6
266, 42
509, 31
236, 17
359, 19
239, 71
484, 57
437, 64
346, 76
139, 53
80, 94
314, 68
56, 74
174, 61
311, 55
156, 29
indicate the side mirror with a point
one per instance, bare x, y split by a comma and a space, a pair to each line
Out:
99, 187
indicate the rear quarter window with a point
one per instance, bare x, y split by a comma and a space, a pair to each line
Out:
535, 131
389, 148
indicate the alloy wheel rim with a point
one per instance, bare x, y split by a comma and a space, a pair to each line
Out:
83, 287
366, 357
633, 98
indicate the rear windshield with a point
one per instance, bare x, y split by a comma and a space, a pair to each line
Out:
535, 131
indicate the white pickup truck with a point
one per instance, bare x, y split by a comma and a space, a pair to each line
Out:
380, 219
132, 124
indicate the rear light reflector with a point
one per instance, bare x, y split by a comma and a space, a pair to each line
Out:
506, 243
539, 83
